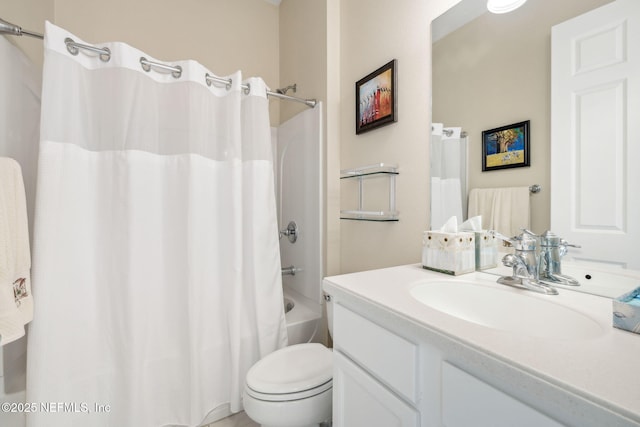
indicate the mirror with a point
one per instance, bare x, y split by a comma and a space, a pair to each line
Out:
494, 70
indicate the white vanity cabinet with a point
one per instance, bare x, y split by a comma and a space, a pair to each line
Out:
401, 362
387, 379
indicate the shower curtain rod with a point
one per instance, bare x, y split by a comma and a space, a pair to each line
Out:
16, 30
214, 79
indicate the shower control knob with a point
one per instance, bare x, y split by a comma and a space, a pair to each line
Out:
291, 232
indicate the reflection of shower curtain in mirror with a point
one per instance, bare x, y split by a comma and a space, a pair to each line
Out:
448, 175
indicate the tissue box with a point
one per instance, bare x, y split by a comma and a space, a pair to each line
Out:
450, 253
486, 250
626, 311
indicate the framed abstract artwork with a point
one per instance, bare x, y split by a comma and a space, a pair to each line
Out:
376, 98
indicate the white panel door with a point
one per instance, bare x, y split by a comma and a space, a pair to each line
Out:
595, 134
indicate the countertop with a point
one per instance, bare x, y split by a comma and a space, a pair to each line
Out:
604, 370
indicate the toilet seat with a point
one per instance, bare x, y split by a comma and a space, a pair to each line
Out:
296, 372
288, 397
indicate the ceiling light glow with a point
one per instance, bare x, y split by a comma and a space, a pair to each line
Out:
504, 6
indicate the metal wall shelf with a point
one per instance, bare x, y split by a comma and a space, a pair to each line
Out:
367, 172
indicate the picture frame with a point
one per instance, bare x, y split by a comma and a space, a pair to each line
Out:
376, 98
506, 147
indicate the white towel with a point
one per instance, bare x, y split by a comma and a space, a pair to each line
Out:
480, 203
505, 210
16, 302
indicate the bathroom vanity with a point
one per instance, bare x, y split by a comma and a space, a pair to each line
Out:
418, 348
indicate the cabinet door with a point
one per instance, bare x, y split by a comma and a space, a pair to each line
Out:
360, 401
390, 358
467, 401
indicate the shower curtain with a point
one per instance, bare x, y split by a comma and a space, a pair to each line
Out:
156, 270
448, 175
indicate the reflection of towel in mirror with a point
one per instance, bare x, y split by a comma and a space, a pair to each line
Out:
16, 303
505, 210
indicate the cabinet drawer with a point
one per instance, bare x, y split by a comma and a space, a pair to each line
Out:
468, 401
390, 358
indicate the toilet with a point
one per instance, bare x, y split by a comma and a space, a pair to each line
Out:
293, 386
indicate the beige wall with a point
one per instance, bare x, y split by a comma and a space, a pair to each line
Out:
491, 73
30, 15
333, 236
303, 51
223, 35
372, 33
308, 50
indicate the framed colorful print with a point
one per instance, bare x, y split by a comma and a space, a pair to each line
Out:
505, 147
376, 98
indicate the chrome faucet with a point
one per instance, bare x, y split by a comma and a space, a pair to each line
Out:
552, 249
525, 264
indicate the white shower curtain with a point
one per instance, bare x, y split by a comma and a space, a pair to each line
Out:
448, 175
157, 277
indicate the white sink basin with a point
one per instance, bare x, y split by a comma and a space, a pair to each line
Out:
506, 309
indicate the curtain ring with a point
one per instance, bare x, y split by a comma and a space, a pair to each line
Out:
213, 79
73, 48
144, 64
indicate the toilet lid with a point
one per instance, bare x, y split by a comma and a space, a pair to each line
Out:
292, 369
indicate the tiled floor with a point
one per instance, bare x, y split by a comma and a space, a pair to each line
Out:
237, 420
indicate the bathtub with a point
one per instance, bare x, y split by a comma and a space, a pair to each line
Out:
303, 323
